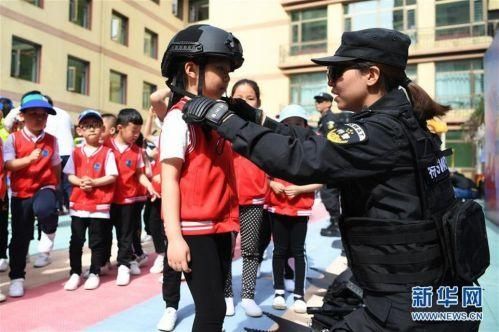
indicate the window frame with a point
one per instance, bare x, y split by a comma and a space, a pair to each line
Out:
126, 24
89, 13
86, 75
38, 53
39, 3
154, 40
125, 86
411, 32
194, 7
470, 25
298, 24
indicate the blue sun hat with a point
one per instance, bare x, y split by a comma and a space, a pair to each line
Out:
36, 101
89, 113
291, 111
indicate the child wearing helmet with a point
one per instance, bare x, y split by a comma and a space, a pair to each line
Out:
290, 207
201, 207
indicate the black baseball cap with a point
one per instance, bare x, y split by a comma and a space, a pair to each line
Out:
378, 45
324, 96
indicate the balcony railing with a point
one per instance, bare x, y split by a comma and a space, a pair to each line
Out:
424, 41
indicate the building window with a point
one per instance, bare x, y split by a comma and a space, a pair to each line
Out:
37, 3
459, 83
147, 90
463, 152
25, 59
117, 87
308, 31
77, 80
303, 88
151, 44
155, 1
178, 9
79, 12
459, 18
199, 10
396, 14
119, 28
411, 71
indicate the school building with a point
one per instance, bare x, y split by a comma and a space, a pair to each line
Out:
106, 54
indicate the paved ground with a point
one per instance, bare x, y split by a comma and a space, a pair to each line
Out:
138, 307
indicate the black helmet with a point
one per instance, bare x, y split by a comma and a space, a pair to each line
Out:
201, 40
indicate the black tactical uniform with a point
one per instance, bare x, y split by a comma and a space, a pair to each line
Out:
374, 170
388, 231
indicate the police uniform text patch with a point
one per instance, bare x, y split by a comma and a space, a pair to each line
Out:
347, 133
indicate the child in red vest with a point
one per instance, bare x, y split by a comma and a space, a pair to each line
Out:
91, 169
252, 188
32, 157
199, 204
125, 210
3, 190
290, 208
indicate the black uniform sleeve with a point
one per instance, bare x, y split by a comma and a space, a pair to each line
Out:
315, 159
294, 131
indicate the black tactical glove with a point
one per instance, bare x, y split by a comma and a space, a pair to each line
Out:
245, 111
203, 110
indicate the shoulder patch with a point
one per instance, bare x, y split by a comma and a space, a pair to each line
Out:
347, 133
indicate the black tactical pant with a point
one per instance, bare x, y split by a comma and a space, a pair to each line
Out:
331, 199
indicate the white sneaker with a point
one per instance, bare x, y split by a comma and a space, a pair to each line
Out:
4, 264
43, 259
300, 307
157, 266
46, 243
279, 302
142, 259
289, 285
92, 282
16, 287
123, 277
134, 268
229, 303
168, 320
72, 283
2, 297
251, 308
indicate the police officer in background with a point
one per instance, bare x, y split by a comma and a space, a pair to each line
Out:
330, 196
390, 239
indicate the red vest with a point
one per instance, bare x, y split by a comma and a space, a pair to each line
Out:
252, 182
27, 181
156, 169
100, 198
208, 193
300, 205
127, 190
3, 184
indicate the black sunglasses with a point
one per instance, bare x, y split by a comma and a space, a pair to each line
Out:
335, 72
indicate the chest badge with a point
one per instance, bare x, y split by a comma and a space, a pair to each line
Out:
45, 153
97, 166
346, 133
128, 163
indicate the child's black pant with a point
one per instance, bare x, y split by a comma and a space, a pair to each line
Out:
4, 225
210, 264
156, 228
289, 233
97, 228
43, 205
124, 219
136, 240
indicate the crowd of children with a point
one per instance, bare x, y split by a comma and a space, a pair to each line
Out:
198, 194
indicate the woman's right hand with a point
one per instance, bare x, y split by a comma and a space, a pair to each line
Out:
179, 255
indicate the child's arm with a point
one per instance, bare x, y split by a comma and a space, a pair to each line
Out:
277, 187
158, 103
178, 251
147, 127
102, 181
20, 163
143, 180
294, 190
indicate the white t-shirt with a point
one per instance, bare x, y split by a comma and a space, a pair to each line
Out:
61, 126
174, 136
111, 169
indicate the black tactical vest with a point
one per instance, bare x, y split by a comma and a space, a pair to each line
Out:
393, 255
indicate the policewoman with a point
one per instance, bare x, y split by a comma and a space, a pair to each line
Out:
387, 228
